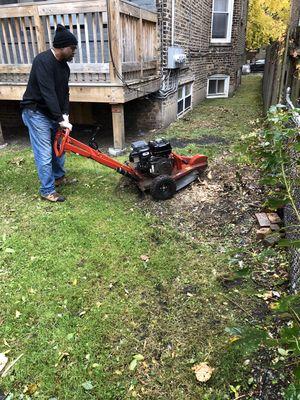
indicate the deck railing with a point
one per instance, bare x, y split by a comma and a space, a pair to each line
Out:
116, 40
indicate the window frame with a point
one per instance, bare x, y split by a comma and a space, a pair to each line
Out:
218, 77
184, 97
230, 11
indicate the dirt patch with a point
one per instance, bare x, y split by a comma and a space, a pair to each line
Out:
204, 140
222, 202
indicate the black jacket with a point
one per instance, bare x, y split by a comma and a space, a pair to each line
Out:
47, 90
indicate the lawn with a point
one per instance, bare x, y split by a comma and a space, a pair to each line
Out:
88, 284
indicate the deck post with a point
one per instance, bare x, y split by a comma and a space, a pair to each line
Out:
41, 42
114, 27
117, 111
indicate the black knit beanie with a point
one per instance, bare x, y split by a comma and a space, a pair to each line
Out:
63, 38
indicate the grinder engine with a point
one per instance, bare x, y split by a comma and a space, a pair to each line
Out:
152, 157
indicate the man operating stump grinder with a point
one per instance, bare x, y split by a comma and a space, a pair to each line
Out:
45, 107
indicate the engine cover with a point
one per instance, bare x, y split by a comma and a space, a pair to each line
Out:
161, 166
140, 155
160, 148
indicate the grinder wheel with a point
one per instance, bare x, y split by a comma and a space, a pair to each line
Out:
163, 187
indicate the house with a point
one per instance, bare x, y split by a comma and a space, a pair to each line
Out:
140, 64
211, 36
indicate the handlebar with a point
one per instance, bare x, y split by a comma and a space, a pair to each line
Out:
60, 142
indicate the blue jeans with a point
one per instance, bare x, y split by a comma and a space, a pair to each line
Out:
42, 133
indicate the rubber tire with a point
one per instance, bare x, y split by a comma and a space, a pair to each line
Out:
163, 187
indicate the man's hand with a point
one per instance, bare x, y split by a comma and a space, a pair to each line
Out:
66, 117
65, 125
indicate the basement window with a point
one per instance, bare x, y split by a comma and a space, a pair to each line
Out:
222, 17
218, 86
184, 100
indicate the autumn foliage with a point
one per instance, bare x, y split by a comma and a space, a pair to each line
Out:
267, 22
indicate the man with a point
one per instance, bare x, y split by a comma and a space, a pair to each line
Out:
45, 107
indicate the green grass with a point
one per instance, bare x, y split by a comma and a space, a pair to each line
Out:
78, 302
228, 119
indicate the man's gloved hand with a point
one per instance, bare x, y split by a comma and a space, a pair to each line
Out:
66, 117
65, 125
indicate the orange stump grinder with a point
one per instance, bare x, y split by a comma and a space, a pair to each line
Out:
152, 166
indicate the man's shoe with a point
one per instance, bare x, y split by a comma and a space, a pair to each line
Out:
54, 197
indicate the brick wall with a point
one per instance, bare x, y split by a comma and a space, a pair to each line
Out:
192, 33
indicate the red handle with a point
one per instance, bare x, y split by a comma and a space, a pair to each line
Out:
60, 142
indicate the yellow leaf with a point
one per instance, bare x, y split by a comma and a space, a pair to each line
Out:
30, 389
18, 314
203, 372
274, 306
117, 372
233, 339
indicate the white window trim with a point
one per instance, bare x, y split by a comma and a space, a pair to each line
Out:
183, 97
229, 26
226, 86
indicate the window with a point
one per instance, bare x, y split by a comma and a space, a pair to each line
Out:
222, 17
184, 101
218, 86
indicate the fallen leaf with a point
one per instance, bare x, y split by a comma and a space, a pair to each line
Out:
9, 250
274, 306
138, 357
3, 361
133, 364
17, 161
61, 357
276, 294
30, 389
118, 372
81, 313
283, 352
266, 296
234, 339
18, 314
87, 385
203, 372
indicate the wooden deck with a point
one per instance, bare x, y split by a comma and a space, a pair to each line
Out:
117, 47
117, 57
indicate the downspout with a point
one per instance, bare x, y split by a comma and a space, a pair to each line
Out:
173, 22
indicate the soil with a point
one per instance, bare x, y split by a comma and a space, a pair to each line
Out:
225, 197
205, 139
